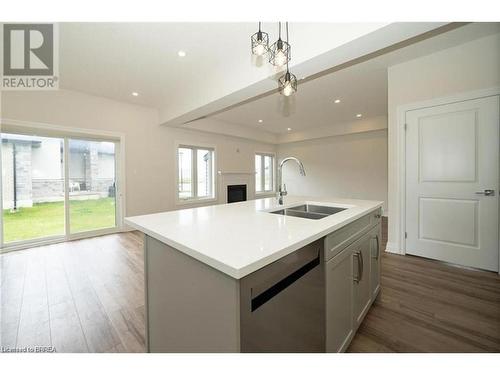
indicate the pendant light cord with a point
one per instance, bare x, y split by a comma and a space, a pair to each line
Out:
279, 30
286, 25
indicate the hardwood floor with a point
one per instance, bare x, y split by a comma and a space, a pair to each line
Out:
80, 296
429, 306
88, 296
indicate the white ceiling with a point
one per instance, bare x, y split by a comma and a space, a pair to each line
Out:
115, 59
362, 88
359, 89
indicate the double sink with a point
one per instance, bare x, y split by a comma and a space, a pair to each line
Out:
309, 211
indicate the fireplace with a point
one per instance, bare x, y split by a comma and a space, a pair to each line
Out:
236, 193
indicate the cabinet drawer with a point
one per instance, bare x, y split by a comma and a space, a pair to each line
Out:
338, 240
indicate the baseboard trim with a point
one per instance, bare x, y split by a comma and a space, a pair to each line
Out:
128, 228
392, 248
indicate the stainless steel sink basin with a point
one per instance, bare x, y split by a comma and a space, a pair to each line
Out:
325, 210
309, 211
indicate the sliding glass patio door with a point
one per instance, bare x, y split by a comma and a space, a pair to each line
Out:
32, 187
57, 188
92, 185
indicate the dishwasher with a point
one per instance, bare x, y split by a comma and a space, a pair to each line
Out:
282, 306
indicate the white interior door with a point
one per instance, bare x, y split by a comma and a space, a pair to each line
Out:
452, 166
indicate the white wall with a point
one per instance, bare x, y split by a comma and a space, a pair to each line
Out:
471, 66
149, 154
345, 166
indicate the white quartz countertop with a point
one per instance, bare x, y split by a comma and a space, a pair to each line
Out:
240, 238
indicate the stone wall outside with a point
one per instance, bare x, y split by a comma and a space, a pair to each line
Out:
45, 190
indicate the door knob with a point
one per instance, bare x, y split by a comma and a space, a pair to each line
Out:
486, 192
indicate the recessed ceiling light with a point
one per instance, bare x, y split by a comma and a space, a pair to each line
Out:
260, 121
135, 94
359, 115
288, 129
336, 101
181, 53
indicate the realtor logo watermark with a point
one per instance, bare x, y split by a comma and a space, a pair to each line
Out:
30, 56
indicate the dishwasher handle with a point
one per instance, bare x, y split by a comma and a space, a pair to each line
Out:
284, 283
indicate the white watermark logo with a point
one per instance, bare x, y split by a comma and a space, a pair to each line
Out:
30, 57
28, 349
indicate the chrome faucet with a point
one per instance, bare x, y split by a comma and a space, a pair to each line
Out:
282, 187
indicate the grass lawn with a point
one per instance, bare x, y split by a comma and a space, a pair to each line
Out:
47, 219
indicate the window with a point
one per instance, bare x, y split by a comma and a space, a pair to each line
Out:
195, 166
264, 173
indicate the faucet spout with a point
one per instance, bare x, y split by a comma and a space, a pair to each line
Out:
281, 186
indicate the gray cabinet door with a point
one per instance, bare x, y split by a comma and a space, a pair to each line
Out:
375, 249
339, 304
361, 271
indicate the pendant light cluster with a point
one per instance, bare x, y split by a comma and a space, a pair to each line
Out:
279, 55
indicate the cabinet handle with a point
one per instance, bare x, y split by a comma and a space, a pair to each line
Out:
359, 261
356, 278
362, 266
486, 192
378, 246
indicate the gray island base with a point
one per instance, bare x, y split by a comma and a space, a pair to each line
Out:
312, 300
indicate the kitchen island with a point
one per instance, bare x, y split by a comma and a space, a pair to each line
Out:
240, 278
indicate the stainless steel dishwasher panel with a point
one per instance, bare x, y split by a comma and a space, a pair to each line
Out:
282, 306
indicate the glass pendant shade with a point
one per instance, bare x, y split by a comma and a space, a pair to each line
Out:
287, 84
279, 53
260, 43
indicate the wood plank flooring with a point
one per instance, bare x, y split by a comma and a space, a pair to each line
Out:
429, 306
80, 296
88, 296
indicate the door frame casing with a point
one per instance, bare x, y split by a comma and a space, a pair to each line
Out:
400, 246
65, 132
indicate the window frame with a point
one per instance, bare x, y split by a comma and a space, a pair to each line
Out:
194, 173
262, 172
